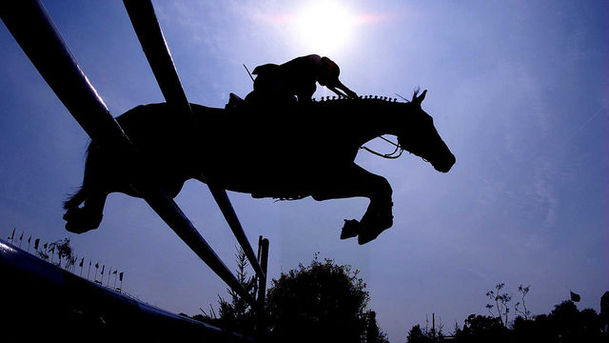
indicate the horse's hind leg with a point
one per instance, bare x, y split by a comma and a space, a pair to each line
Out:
357, 182
93, 193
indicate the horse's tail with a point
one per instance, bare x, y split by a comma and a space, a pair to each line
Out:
75, 199
81, 195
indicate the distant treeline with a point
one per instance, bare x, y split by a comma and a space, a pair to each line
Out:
564, 324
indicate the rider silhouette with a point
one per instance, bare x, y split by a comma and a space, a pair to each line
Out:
296, 80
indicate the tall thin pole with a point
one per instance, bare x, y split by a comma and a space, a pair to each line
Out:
260, 314
109, 276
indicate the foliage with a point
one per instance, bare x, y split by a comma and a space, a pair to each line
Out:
564, 324
64, 252
234, 314
418, 335
322, 302
501, 308
479, 328
521, 306
372, 332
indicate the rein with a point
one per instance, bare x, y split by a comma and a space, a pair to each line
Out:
398, 149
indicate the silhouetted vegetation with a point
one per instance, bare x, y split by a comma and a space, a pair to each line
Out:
234, 314
64, 252
565, 324
321, 302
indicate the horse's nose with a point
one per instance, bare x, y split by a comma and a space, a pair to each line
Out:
450, 161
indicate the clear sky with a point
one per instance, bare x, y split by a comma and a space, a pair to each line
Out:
519, 91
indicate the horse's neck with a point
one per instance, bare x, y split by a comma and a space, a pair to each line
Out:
375, 118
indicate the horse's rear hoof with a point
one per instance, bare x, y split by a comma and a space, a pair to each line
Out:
350, 229
79, 221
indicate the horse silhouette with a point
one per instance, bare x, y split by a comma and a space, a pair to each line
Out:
285, 152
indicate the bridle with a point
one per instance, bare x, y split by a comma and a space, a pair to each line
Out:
392, 155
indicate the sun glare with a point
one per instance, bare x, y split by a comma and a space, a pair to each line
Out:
324, 27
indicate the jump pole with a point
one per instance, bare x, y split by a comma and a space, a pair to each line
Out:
32, 28
149, 32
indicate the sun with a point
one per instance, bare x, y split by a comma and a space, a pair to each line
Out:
324, 27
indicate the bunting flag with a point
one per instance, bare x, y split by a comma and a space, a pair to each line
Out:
120, 276
36, 243
82, 261
575, 297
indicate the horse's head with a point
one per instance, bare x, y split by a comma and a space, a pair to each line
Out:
419, 136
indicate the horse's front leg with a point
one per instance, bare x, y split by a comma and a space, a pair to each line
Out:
357, 182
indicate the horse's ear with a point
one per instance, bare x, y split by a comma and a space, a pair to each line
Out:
419, 99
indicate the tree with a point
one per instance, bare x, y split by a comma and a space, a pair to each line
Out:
234, 314
416, 335
64, 251
478, 328
372, 332
501, 306
322, 302
521, 306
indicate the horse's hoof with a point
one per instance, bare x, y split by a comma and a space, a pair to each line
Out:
350, 229
369, 235
79, 221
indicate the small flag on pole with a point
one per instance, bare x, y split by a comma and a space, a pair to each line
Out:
36, 243
120, 276
13, 235
575, 297
21, 237
82, 261
103, 267
114, 272
29, 240
97, 266
45, 246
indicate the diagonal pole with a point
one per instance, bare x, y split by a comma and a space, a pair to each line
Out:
150, 35
32, 28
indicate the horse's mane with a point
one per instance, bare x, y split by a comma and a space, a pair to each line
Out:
366, 98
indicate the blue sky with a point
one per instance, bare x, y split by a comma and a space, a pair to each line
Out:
518, 90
